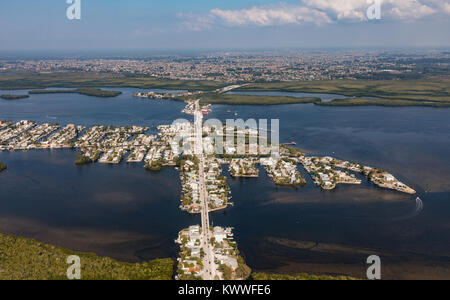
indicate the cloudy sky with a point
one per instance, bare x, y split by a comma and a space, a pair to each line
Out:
231, 24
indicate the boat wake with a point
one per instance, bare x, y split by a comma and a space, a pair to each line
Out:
415, 213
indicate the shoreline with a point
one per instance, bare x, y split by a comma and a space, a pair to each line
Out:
49, 263
390, 93
102, 267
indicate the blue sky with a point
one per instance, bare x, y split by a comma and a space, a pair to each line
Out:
231, 24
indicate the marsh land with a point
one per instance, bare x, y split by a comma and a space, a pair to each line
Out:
420, 92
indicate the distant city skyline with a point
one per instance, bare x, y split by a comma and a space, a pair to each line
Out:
212, 24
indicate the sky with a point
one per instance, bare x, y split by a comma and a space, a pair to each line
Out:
230, 24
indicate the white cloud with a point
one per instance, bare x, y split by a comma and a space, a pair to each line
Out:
341, 9
316, 12
280, 14
390, 9
408, 9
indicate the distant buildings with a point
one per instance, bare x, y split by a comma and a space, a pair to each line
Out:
250, 67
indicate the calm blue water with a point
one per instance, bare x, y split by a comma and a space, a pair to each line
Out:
130, 214
85, 110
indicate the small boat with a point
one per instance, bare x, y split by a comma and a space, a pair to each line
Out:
419, 203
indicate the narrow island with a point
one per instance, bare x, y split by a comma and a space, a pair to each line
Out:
13, 97
3, 167
94, 92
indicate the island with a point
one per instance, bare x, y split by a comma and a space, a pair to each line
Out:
2, 166
94, 92
13, 97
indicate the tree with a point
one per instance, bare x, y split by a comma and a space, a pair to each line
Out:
226, 271
243, 271
82, 159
